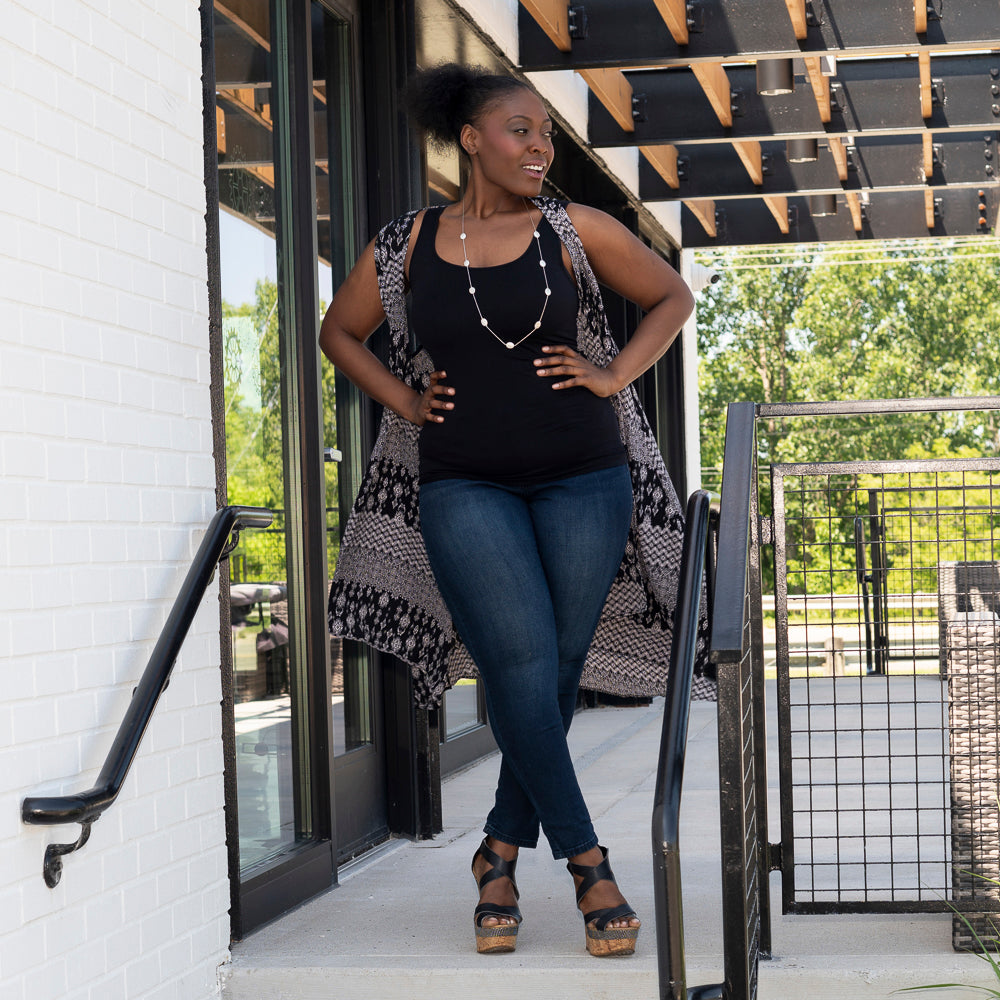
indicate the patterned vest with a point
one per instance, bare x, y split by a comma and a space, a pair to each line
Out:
383, 592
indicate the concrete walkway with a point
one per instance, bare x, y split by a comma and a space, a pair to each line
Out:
400, 923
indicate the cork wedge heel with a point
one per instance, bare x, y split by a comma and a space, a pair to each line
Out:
500, 937
603, 941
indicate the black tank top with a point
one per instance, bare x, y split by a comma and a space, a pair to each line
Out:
509, 425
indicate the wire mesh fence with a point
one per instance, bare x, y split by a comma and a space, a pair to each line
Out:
884, 630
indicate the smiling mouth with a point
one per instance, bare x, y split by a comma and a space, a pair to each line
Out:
535, 169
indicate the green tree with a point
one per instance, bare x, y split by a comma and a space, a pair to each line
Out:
254, 426
896, 322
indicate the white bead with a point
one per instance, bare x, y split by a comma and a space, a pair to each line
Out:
484, 321
536, 234
462, 237
538, 325
509, 345
541, 263
548, 291
472, 291
465, 262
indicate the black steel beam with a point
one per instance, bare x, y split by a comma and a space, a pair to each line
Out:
632, 33
872, 96
890, 215
713, 170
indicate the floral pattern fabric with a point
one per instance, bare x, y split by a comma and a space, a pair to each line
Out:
383, 591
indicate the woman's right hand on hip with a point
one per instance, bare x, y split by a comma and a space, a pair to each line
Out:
431, 400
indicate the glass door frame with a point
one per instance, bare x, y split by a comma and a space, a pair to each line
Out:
309, 867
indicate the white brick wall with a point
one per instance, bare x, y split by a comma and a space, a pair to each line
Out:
106, 482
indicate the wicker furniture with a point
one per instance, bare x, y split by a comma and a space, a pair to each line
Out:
973, 671
963, 587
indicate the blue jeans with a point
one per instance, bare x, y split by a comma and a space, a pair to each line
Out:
525, 572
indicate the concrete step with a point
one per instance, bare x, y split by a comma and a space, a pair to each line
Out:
399, 925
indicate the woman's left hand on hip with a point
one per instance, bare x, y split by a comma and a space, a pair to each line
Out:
572, 368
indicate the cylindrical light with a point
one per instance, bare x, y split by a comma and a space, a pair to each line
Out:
802, 150
775, 76
822, 204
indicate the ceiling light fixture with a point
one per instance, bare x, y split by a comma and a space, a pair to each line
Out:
775, 76
822, 204
802, 150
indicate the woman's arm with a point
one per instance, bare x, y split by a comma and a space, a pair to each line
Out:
354, 315
626, 265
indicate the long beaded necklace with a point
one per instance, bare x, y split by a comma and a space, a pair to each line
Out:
509, 344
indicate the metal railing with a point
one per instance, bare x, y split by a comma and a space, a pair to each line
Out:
670, 772
737, 651
86, 807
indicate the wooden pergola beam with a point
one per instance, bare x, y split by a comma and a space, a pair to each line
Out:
820, 86
928, 155
250, 17
854, 204
553, 18
926, 93
839, 154
704, 212
920, 17
220, 129
778, 206
614, 91
797, 12
674, 14
929, 208
715, 83
750, 154
664, 162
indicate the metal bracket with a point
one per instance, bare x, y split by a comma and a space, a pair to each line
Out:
695, 17
774, 857
683, 162
52, 867
934, 10
766, 528
766, 165
720, 223
937, 91
639, 107
234, 540
579, 24
836, 93
814, 15
737, 103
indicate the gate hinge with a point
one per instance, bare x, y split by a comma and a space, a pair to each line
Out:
774, 857
766, 530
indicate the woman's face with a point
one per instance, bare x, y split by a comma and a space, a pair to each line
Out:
513, 143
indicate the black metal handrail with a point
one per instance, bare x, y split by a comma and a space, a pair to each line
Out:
86, 807
670, 772
737, 651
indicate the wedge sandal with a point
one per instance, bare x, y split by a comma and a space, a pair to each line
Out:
496, 938
603, 941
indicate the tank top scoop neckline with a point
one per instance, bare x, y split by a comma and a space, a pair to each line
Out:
509, 426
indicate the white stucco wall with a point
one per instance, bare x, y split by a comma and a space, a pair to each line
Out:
106, 484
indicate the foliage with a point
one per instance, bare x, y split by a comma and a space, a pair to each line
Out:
255, 459
806, 325
984, 952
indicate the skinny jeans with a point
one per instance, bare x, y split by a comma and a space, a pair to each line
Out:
525, 571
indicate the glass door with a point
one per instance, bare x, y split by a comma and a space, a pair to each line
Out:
355, 691
271, 744
306, 751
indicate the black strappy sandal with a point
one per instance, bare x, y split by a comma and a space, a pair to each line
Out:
602, 940
498, 937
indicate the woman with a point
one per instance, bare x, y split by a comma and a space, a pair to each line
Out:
503, 468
